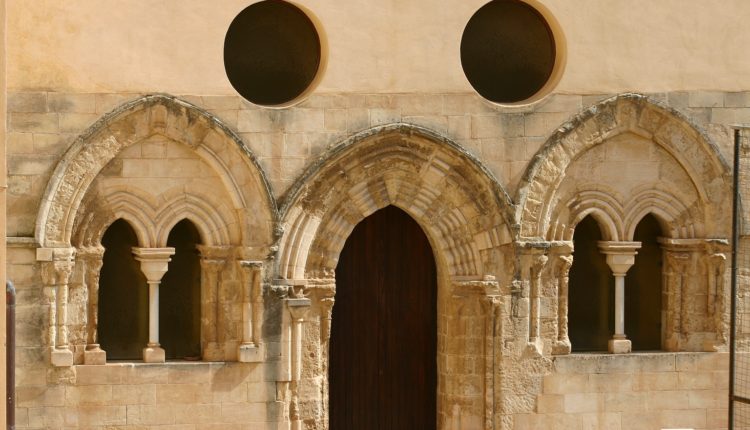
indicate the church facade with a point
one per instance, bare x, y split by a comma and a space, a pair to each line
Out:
188, 259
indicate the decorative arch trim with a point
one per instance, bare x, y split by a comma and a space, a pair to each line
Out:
131, 123
455, 199
686, 142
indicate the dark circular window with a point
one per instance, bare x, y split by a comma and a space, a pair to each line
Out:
271, 52
507, 51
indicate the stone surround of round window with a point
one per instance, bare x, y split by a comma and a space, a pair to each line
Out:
513, 51
274, 53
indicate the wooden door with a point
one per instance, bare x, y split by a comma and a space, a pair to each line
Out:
382, 372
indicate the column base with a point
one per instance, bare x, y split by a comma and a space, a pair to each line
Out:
561, 347
534, 348
153, 354
619, 346
212, 352
62, 357
250, 353
94, 355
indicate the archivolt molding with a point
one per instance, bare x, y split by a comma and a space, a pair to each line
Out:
686, 143
133, 122
153, 220
459, 204
618, 220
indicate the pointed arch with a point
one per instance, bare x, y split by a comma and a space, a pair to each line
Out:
455, 199
688, 145
134, 121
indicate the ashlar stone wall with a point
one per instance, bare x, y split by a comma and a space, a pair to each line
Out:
275, 193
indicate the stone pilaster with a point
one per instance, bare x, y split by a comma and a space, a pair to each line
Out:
717, 305
298, 309
680, 272
92, 259
533, 260
213, 260
480, 300
56, 267
620, 258
250, 349
154, 264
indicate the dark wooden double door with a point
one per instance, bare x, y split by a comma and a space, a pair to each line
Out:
382, 372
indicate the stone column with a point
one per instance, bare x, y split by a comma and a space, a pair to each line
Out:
533, 261
298, 308
92, 261
249, 349
620, 258
562, 260
57, 266
154, 264
326, 317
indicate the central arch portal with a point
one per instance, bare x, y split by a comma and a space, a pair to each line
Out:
382, 371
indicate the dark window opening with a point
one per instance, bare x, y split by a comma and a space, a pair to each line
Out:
272, 52
643, 291
180, 296
507, 51
123, 296
591, 291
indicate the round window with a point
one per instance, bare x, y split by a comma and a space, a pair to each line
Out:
272, 53
508, 51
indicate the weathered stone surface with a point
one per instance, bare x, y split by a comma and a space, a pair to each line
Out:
161, 161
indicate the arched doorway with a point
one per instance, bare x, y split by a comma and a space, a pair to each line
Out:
382, 372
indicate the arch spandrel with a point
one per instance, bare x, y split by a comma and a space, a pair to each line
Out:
135, 121
708, 174
459, 204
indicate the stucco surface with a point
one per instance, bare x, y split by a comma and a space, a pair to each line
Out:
384, 46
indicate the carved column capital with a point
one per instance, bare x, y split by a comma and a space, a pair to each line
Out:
154, 261
620, 255
562, 265
57, 271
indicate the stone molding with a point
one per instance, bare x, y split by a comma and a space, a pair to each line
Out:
132, 122
696, 153
461, 207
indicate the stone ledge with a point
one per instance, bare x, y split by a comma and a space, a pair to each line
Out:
636, 362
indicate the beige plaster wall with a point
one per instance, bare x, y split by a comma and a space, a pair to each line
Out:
383, 46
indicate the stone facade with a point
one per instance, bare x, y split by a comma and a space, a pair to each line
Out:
275, 193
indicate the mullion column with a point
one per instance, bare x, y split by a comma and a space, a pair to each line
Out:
620, 258
154, 264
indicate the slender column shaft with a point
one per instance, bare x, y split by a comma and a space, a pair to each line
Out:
50, 294
62, 316
153, 313
619, 307
562, 297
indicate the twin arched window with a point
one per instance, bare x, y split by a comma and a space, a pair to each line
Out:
592, 294
123, 313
